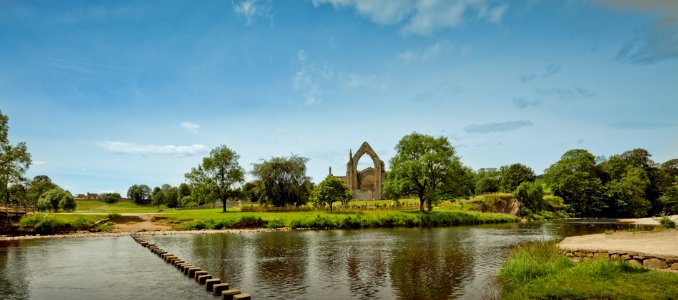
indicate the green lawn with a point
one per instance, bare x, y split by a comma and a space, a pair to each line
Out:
539, 271
88, 212
90, 206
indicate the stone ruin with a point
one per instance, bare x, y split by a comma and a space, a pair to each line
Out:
367, 184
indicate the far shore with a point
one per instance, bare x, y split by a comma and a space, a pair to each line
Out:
87, 234
646, 221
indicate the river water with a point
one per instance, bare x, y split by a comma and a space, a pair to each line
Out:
406, 263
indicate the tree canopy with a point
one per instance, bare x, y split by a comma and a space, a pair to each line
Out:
139, 193
330, 190
283, 181
575, 179
218, 175
14, 160
513, 175
57, 198
428, 168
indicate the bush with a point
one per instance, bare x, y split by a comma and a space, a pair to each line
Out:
531, 195
110, 198
666, 222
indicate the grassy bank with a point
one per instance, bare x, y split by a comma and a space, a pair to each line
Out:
539, 271
88, 212
443, 216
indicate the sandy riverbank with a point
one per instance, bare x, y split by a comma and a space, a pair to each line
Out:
659, 243
646, 221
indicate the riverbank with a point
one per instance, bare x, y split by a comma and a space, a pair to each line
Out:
646, 221
541, 271
214, 219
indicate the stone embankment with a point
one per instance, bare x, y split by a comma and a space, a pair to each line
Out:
654, 250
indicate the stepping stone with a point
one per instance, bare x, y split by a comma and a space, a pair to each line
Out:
229, 294
209, 283
218, 288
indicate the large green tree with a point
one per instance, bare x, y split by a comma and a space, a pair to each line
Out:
171, 195
219, 173
14, 160
575, 179
283, 181
109, 198
157, 197
531, 195
633, 184
330, 190
513, 175
428, 168
487, 181
139, 193
55, 199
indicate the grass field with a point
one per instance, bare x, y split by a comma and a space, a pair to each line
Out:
539, 271
88, 212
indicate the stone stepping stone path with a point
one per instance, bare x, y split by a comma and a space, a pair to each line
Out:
212, 284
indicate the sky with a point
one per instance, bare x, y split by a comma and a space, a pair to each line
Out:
107, 94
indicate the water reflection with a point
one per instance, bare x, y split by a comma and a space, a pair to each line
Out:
430, 263
13, 277
281, 263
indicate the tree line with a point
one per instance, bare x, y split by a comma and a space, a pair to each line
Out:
426, 167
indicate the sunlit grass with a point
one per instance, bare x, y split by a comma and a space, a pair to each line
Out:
539, 271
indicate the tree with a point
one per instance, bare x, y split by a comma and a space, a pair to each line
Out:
139, 193
627, 194
531, 195
330, 190
251, 191
219, 173
575, 179
183, 190
57, 198
38, 186
512, 176
283, 181
618, 167
14, 160
487, 181
18, 195
109, 198
157, 197
426, 167
171, 195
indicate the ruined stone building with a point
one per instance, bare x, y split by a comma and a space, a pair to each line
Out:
365, 184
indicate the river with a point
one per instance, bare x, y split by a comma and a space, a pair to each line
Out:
406, 263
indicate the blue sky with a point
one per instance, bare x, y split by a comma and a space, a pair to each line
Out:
107, 94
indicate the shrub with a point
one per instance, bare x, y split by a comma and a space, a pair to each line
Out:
110, 198
531, 195
665, 221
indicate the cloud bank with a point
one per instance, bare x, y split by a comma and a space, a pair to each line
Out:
497, 126
423, 17
131, 148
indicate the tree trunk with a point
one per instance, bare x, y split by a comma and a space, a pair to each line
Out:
223, 202
421, 204
330, 205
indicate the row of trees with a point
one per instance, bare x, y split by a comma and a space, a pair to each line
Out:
625, 185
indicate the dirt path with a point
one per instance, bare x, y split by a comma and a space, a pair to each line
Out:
138, 223
662, 243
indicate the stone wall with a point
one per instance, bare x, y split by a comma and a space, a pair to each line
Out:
635, 258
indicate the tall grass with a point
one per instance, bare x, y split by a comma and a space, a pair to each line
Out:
539, 271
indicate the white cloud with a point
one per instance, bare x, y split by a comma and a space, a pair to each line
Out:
423, 17
431, 52
250, 9
131, 148
191, 127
